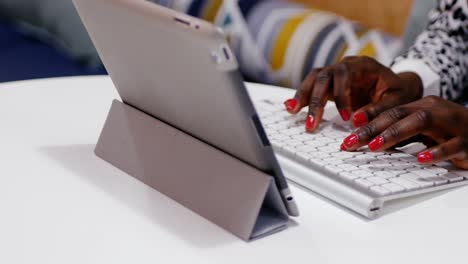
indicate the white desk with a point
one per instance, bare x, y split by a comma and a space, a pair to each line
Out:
61, 204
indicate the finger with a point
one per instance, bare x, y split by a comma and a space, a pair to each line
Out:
368, 132
403, 129
368, 112
318, 99
454, 149
342, 90
301, 98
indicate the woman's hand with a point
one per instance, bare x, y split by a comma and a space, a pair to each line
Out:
442, 121
361, 87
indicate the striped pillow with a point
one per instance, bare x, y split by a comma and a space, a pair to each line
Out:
279, 42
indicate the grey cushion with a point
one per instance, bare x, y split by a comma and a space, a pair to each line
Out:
54, 20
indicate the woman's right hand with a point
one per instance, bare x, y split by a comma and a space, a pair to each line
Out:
361, 87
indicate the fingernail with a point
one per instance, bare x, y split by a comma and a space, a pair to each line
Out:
425, 157
343, 147
290, 104
310, 121
376, 143
360, 119
351, 140
345, 115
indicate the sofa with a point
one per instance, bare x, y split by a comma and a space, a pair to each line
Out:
23, 57
29, 52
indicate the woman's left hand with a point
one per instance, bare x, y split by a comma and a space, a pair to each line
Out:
439, 120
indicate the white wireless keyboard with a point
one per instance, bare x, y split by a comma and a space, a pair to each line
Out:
382, 173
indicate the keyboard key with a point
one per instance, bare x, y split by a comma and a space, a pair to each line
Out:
393, 188
282, 137
364, 183
277, 126
348, 175
271, 120
290, 132
343, 155
384, 174
357, 161
324, 140
319, 155
400, 156
318, 162
304, 137
333, 169
293, 143
377, 180
402, 165
424, 172
363, 173
437, 180
333, 161
380, 190
347, 167
452, 177
407, 184
314, 144
417, 179
306, 148
437, 170
328, 149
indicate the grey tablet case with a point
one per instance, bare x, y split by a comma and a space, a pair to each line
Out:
213, 184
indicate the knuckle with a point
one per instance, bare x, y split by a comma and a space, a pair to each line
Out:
340, 69
323, 77
308, 81
367, 131
314, 72
424, 116
372, 112
315, 103
395, 114
392, 132
443, 151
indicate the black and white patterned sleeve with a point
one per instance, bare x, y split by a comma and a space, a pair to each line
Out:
440, 54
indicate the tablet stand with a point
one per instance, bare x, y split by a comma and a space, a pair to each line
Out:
213, 184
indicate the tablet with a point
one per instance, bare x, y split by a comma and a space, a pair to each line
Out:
181, 70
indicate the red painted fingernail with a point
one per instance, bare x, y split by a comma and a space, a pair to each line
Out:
376, 143
360, 119
310, 122
351, 140
290, 104
425, 157
343, 147
345, 115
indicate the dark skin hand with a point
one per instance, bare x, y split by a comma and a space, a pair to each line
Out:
361, 87
440, 121
387, 108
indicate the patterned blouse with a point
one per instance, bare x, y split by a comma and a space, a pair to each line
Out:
440, 54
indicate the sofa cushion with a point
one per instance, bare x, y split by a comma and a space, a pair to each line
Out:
24, 58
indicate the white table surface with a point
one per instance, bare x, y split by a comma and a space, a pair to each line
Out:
61, 204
